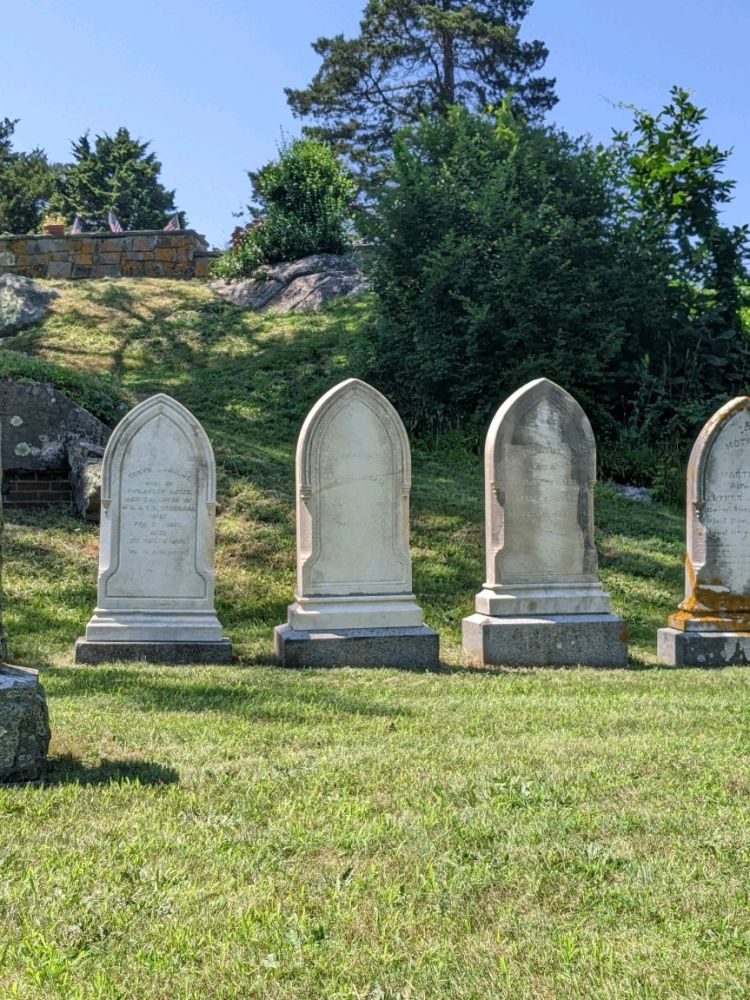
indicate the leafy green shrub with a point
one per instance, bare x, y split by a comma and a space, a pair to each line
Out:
91, 392
496, 263
302, 205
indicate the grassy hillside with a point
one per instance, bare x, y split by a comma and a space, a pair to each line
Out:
216, 833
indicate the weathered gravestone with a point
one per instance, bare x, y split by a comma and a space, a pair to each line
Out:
24, 726
354, 604
712, 626
542, 603
156, 555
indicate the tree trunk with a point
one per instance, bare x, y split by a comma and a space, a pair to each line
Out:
449, 71
449, 64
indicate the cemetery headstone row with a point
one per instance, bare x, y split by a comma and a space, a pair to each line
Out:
542, 603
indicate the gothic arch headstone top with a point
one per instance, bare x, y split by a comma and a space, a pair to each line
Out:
156, 551
354, 581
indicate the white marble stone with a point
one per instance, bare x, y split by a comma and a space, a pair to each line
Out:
542, 603
717, 567
353, 471
540, 469
156, 554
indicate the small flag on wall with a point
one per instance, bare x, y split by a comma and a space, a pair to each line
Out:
77, 228
173, 225
113, 224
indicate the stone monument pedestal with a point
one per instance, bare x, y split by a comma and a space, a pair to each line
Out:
596, 640
24, 726
410, 648
703, 649
95, 651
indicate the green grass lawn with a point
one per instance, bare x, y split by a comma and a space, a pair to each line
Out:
238, 832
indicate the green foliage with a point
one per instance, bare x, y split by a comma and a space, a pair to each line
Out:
496, 263
27, 181
689, 351
93, 393
302, 202
416, 57
114, 174
508, 252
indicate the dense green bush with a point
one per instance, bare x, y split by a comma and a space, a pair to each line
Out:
497, 262
302, 203
506, 252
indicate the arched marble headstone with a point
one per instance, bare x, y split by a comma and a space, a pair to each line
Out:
712, 625
542, 602
354, 602
156, 551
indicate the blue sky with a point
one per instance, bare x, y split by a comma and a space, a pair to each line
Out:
204, 81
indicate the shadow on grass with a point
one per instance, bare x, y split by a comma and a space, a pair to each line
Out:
69, 770
244, 695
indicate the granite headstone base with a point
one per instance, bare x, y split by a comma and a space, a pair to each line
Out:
24, 725
409, 648
703, 649
553, 641
94, 651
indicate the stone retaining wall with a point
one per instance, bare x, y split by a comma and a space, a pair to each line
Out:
142, 254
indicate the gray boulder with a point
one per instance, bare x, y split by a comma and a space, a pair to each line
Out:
22, 302
296, 286
639, 493
40, 423
24, 725
85, 461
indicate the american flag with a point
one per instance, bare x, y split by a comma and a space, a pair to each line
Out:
77, 228
173, 225
113, 224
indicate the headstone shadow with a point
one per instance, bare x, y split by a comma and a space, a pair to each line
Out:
69, 770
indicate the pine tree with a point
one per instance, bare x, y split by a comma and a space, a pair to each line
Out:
418, 57
115, 174
27, 181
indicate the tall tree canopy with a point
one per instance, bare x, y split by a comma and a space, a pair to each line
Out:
26, 183
416, 57
672, 191
115, 174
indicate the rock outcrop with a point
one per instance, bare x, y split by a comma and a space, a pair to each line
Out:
44, 433
297, 286
22, 302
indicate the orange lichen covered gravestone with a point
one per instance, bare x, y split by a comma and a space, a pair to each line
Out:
712, 626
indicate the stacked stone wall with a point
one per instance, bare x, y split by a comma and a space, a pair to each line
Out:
143, 254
